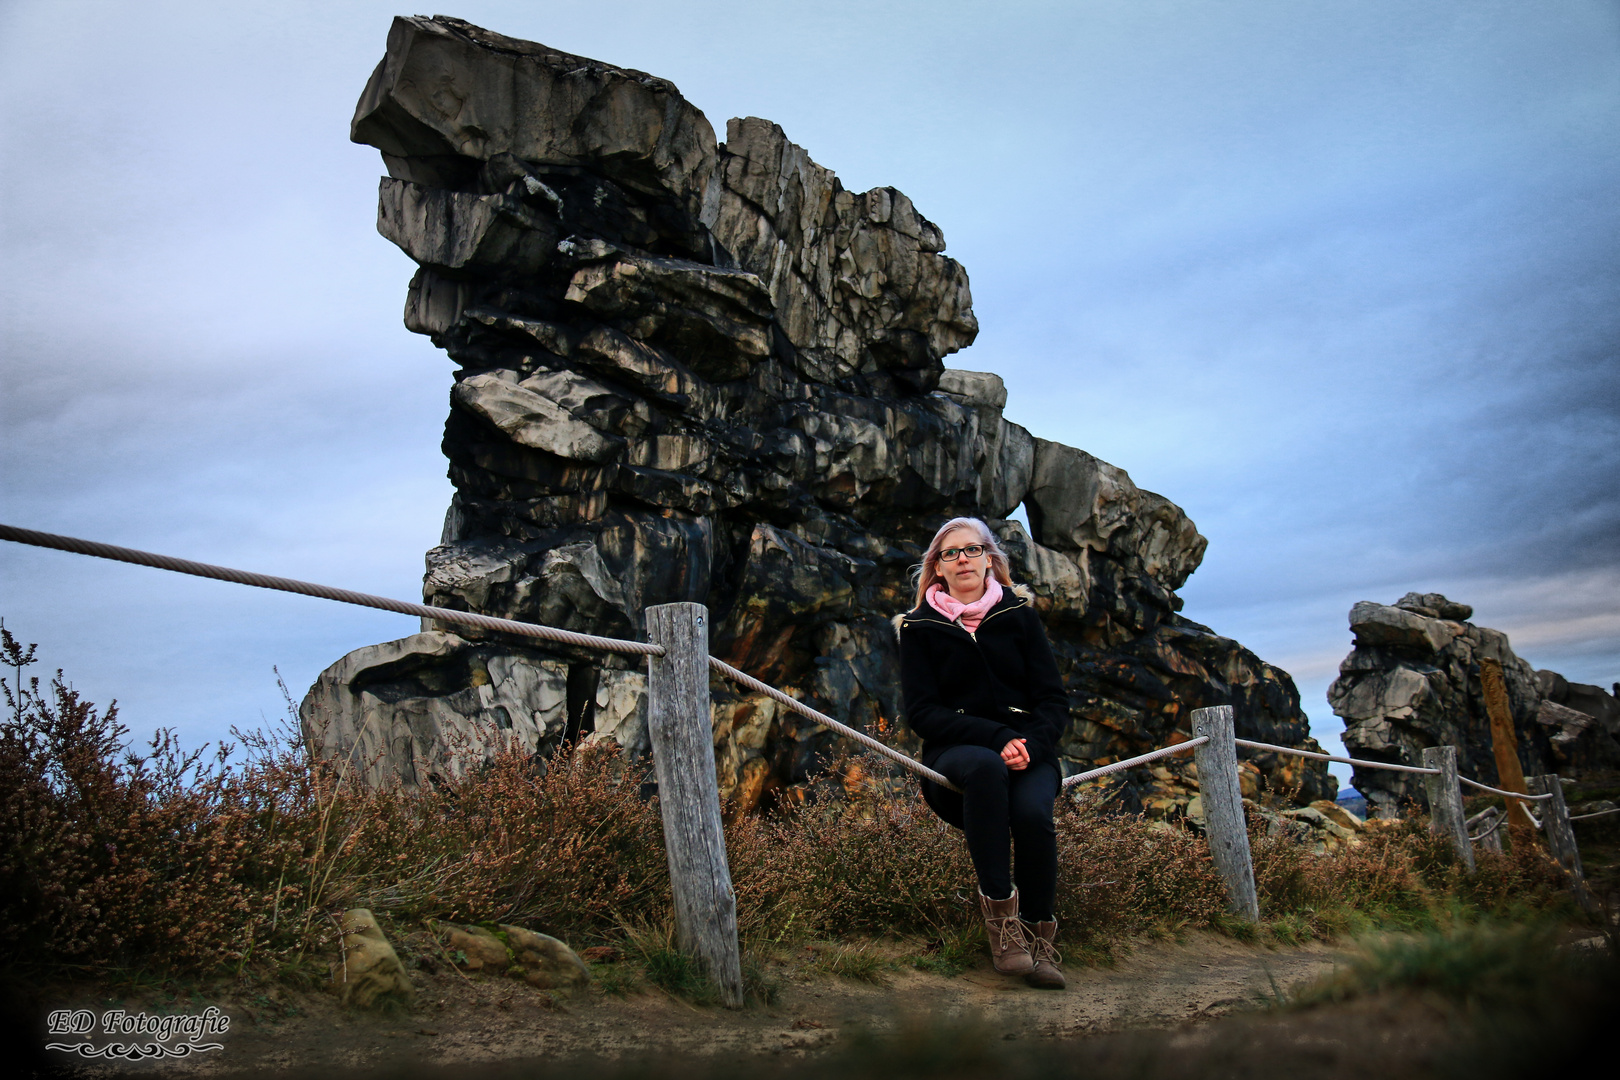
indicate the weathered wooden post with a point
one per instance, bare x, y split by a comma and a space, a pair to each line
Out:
1505, 746
1445, 801
1224, 823
682, 730
1490, 829
1561, 836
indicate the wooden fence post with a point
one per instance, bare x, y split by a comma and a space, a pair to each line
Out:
1505, 746
681, 726
1224, 822
1486, 821
1445, 801
1561, 836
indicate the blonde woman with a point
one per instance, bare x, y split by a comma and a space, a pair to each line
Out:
983, 691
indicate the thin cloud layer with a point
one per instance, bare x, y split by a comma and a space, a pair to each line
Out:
1342, 280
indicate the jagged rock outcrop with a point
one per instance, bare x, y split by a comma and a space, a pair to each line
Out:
1583, 726
1412, 681
693, 371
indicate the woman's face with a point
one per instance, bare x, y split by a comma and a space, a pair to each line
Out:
964, 578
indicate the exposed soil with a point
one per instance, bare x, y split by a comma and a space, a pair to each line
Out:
465, 1020
1197, 1008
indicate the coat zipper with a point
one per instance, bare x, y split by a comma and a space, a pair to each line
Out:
957, 622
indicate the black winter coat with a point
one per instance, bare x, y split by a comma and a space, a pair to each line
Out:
985, 688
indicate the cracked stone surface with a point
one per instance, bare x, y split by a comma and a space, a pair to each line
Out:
689, 370
1412, 681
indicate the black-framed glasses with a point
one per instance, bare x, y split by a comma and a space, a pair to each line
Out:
972, 551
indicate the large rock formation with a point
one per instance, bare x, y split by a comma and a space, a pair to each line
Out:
1412, 681
691, 371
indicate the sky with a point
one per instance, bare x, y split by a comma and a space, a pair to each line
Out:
1341, 279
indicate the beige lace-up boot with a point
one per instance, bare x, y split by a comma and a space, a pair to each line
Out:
1009, 946
1043, 947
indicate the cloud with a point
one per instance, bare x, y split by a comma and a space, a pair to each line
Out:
1341, 280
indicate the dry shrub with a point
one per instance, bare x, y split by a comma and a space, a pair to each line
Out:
1378, 876
1126, 875
109, 855
568, 845
1401, 875
170, 862
866, 865
882, 863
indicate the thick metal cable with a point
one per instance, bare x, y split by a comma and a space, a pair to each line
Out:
1598, 813
745, 679
1508, 794
1384, 765
1329, 757
591, 641
1497, 824
1130, 763
324, 592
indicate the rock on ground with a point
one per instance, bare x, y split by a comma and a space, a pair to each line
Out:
700, 371
369, 974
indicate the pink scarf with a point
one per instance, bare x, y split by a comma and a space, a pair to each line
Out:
971, 614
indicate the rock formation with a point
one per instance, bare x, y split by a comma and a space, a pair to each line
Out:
1582, 723
1412, 681
693, 371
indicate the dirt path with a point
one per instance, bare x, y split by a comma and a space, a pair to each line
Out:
478, 1020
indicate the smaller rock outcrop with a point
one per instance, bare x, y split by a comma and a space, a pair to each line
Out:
1412, 681
434, 704
1583, 725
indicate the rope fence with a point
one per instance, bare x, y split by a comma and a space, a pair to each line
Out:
322, 592
1251, 744
679, 671
1131, 763
135, 557
1496, 823
745, 679
1506, 794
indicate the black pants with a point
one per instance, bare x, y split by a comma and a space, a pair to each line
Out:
998, 804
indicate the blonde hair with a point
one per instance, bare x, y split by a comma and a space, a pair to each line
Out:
927, 573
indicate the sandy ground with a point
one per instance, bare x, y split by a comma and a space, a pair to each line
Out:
484, 1020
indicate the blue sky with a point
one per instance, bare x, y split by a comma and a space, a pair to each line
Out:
1342, 279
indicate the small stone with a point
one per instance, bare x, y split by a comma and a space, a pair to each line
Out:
1337, 814
369, 975
479, 949
547, 963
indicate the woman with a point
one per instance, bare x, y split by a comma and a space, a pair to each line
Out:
983, 691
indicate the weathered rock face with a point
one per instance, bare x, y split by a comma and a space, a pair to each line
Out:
1412, 681
1583, 726
700, 372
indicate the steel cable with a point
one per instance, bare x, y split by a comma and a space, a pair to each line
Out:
590, 641
824, 720
1128, 763
324, 592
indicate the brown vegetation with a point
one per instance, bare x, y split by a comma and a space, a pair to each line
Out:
173, 863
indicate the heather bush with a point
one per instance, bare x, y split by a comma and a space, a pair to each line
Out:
175, 862
108, 855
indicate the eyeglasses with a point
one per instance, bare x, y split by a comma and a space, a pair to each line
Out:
972, 551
